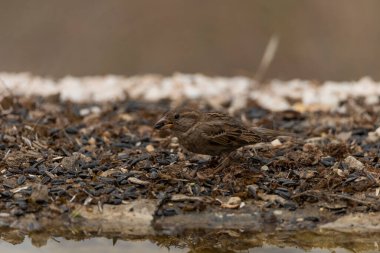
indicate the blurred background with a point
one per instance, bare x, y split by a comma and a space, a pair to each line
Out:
318, 39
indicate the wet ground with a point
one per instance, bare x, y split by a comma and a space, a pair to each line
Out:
79, 166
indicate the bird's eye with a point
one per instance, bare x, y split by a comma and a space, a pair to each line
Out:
176, 116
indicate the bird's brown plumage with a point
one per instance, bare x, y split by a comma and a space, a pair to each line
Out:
212, 133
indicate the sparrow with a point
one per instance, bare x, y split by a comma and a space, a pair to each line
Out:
212, 133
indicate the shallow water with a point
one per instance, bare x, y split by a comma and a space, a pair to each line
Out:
101, 245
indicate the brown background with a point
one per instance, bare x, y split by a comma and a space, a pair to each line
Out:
319, 39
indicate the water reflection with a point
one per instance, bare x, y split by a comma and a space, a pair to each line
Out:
101, 245
94, 245
59, 239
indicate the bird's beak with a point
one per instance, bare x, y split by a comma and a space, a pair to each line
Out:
162, 123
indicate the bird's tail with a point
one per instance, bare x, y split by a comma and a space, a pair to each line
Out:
269, 134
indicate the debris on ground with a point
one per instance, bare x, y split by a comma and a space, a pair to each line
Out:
64, 159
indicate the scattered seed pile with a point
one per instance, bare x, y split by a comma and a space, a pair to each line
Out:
56, 154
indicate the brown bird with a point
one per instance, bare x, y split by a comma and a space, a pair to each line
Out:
212, 133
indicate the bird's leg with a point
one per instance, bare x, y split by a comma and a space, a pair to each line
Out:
254, 151
225, 162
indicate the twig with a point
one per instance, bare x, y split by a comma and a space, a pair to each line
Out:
312, 193
351, 199
269, 53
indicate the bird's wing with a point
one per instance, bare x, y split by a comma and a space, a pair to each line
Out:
227, 132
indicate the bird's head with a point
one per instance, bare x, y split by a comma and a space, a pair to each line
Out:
178, 120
